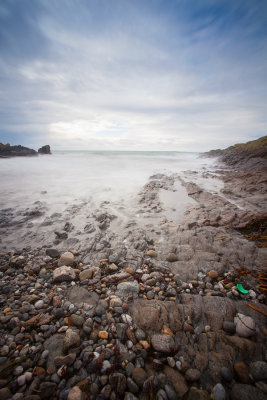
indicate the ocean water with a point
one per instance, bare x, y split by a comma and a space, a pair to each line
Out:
69, 176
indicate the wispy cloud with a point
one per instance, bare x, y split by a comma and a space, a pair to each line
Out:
185, 75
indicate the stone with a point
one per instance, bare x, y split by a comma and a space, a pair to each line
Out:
139, 375
66, 258
77, 320
113, 267
115, 302
171, 257
118, 382
258, 370
241, 371
167, 331
80, 295
86, 274
71, 339
5, 394
176, 379
197, 394
54, 344
162, 343
126, 289
140, 334
103, 334
150, 295
213, 274
192, 375
226, 374
53, 253
47, 390
229, 327
246, 392
219, 392
152, 253
66, 360
245, 325
63, 273
75, 394
39, 304
44, 149
171, 394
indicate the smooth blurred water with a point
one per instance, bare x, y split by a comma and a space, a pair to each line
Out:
64, 177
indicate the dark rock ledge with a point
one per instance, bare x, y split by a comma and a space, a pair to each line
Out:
6, 150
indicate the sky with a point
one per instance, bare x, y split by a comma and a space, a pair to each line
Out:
184, 75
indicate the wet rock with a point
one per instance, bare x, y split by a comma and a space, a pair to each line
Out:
76, 394
86, 274
219, 392
126, 289
163, 343
226, 374
66, 258
197, 394
171, 257
152, 253
192, 375
258, 370
5, 394
229, 327
80, 295
71, 339
53, 253
246, 392
47, 390
63, 273
77, 320
118, 382
212, 274
176, 379
241, 371
139, 376
245, 325
66, 360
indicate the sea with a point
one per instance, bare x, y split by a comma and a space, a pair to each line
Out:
65, 177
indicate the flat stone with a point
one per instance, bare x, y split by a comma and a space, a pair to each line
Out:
79, 295
86, 274
53, 253
66, 360
171, 257
197, 394
54, 345
77, 320
63, 273
126, 289
152, 253
162, 343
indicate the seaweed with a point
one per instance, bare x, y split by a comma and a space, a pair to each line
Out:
255, 230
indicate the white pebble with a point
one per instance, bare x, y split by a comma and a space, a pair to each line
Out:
21, 380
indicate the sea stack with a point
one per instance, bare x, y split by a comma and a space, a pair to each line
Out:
44, 150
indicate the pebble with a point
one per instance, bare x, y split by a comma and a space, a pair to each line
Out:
258, 370
226, 374
219, 392
39, 304
245, 325
192, 375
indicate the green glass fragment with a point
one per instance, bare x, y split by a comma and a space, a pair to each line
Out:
241, 289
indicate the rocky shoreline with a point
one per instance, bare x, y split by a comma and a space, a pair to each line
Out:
130, 310
7, 151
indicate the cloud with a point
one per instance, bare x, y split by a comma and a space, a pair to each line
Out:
181, 75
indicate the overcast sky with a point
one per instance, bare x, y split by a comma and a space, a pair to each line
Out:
133, 75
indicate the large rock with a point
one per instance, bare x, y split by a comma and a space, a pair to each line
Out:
258, 370
162, 343
15, 151
246, 392
126, 289
79, 295
44, 149
245, 326
63, 273
54, 345
177, 380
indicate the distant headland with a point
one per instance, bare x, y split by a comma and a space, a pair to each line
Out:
6, 150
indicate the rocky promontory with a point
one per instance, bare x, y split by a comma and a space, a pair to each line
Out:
6, 150
250, 154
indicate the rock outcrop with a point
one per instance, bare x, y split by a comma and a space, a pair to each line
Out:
44, 149
6, 150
